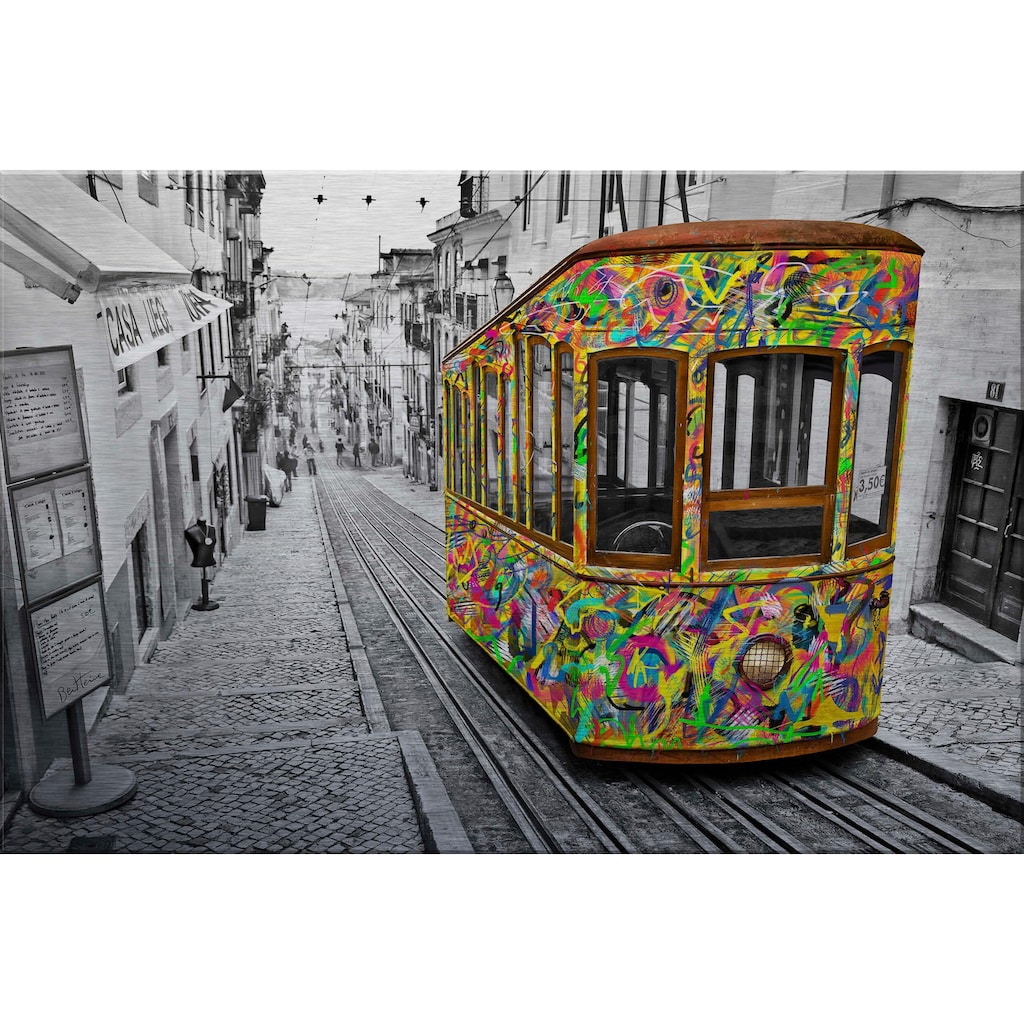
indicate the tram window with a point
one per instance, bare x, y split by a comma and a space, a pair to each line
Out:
634, 491
770, 421
459, 428
769, 433
542, 482
877, 423
473, 433
507, 451
522, 435
565, 427
490, 428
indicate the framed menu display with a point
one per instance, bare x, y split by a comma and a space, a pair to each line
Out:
69, 640
55, 526
42, 416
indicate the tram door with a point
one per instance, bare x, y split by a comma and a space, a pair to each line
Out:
983, 555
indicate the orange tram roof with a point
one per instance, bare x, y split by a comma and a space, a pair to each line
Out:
738, 235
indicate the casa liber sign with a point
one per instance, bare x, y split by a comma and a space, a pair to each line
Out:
138, 322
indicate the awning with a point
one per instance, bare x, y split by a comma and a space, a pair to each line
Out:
137, 321
145, 298
53, 217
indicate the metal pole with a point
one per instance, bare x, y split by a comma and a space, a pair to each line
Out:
79, 744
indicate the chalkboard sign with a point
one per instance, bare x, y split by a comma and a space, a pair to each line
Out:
55, 524
69, 640
42, 418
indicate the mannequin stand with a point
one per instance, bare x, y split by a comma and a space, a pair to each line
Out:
204, 604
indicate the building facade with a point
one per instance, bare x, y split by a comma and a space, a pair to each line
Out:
151, 279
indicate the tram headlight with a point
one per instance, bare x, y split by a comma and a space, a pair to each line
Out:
763, 661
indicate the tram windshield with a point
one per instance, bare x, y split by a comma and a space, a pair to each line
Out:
634, 445
769, 458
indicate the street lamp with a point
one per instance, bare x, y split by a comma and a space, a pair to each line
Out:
504, 289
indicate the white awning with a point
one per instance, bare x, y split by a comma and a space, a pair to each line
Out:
137, 321
47, 213
145, 298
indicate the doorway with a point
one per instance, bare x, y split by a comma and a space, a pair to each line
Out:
983, 547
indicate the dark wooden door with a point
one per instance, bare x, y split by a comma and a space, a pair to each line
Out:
983, 556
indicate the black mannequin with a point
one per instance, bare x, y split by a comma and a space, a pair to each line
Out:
202, 539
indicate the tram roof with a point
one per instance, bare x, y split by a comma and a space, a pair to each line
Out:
750, 234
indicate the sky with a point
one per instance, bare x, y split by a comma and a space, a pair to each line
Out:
340, 235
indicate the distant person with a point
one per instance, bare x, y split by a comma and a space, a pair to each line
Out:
374, 452
356, 460
284, 464
310, 455
320, 445
305, 441
339, 450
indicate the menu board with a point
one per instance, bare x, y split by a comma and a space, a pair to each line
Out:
42, 419
69, 639
55, 524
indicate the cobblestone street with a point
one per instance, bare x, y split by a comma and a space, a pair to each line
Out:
247, 731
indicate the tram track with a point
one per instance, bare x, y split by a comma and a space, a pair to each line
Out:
514, 795
699, 813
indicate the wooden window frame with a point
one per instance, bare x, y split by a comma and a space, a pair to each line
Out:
883, 540
823, 495
623, 559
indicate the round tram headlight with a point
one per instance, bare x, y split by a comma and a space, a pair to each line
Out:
763, 661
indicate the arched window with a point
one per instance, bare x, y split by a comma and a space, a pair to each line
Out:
635, 441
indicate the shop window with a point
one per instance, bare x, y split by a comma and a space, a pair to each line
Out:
878, 419
124, 380
163, 356
635, 435
770, 477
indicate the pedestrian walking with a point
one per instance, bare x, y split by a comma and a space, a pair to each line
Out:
356, 460
374, 452
283, 464
310, 455
339, 450
290, 467
305, 441
320, 445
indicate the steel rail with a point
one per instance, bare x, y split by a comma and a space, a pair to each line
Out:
609, 834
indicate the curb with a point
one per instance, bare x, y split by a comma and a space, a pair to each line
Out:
376, 716
999, 795
439, 822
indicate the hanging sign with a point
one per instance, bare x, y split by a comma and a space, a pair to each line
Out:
136, 322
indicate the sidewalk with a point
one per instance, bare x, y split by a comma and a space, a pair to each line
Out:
257, 726
955, 719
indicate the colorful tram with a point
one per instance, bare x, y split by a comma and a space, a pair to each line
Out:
671, 478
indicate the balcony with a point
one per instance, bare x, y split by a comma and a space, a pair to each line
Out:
241, 296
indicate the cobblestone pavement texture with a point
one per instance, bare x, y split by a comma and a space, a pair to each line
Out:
246, 731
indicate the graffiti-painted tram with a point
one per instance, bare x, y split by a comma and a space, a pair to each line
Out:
671, 476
